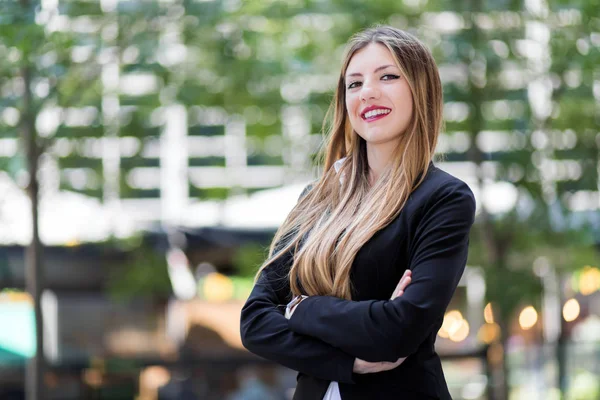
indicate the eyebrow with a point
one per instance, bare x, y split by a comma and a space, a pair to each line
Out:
376, 70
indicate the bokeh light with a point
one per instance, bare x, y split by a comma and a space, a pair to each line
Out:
489, 333
488, 313
528, 318
571, 310
454, 327
589, 280
217, 287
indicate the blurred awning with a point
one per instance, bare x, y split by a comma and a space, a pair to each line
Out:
208, 238
64, 216
68, 217
264, 209
217, 246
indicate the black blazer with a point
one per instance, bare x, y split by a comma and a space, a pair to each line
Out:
325, 334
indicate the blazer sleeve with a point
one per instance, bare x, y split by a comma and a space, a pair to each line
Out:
378, 330
265, 330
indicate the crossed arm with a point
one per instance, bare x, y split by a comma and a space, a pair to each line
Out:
387, 330
265, 332
327, 336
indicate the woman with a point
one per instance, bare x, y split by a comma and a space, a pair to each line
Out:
380, 209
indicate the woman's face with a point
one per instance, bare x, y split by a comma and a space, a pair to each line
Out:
378, 99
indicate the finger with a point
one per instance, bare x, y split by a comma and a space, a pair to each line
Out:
391, 365
400, 283
407, 282
397, 292
401, 286
407, 275
404, 283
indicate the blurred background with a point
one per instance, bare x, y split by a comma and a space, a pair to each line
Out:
150, 148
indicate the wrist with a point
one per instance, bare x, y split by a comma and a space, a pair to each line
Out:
292, 305
357, 366
360, 366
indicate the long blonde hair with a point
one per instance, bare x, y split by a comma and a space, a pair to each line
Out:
329, 225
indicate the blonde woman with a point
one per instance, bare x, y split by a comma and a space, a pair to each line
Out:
382, 215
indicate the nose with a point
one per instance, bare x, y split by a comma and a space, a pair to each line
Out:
368, 92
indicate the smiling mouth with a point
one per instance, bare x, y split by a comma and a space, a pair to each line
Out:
375, 114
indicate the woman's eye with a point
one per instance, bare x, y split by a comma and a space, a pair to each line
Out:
386, 77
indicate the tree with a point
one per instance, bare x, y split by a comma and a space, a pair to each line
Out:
574, 50
21, 72
541, 223
42, 78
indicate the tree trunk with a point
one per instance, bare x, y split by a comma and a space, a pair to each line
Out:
562, 368
504, 387
33, 269
561, 343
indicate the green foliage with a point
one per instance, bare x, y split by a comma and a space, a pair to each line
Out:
7, 290
241, 55
214, 193
512, 289
249, 258
144, 274
542, 224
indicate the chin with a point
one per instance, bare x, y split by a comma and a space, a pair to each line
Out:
376, 137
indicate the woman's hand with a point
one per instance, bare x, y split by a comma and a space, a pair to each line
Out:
366, 367
404, 281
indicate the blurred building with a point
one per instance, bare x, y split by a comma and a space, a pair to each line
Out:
164, 141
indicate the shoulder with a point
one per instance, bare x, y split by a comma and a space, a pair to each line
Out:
442, 189
441, 181
438, 181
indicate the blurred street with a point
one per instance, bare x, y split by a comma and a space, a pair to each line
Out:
150, 149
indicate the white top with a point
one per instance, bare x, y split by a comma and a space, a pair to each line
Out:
338, 164
333, 392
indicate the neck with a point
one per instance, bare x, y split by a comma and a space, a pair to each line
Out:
378, 158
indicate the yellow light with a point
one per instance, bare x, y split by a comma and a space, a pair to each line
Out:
72, 243
528, 318
155, 376
452, 321
488, 314
489, 333
571, 310
461, 332
92, 377
217, 287
15, 297
442, 333
589, 280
